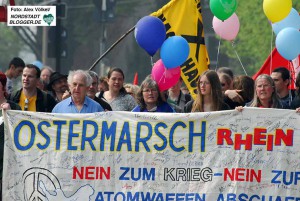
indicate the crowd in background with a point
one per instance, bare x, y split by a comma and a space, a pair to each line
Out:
44, 90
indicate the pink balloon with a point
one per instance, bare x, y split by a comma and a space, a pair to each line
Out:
227, 29
165, 78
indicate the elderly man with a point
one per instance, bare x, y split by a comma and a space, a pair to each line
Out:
93, 90
79, 82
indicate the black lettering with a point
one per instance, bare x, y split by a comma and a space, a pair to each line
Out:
194, 83
198, 39
162, 18
168, 173
187, 65
170, 34
192, 75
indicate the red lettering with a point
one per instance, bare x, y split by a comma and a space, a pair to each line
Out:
229, 174
91, 173
105, 173
259, 137
286, 138
224, 135
257, 176
239, 174
77, 172
242, 174
239, 141
270, 143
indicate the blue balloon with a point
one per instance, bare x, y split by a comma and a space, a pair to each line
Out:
288, 43
174, 51
150, 33
292, 20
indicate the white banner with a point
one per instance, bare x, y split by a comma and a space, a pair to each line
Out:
249, 156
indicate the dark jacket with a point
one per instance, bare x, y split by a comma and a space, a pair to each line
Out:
180, 103
106, 106
41, 104
296, 102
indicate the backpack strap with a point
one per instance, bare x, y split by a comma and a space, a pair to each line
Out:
45, 100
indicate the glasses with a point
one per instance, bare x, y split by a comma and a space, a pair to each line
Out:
263, 86
26, 104
204, 83
149, 90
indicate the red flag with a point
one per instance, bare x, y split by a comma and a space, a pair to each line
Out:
136, 79
275, 60
3, 11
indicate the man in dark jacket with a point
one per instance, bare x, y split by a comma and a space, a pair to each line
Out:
29, 97
93, 90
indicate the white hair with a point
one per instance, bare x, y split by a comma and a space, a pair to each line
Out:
88, 78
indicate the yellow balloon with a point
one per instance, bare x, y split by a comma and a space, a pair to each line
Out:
277, 10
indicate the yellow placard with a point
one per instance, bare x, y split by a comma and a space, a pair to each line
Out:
184, 18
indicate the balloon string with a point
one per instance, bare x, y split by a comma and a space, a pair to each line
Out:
218, 54
292, 69
233, 45
152, 64
271, 57
163, 76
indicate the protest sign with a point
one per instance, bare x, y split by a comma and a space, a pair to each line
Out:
227, 155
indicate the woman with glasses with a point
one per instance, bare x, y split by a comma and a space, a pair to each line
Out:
209, 97
150, 99
116, 95
265, 95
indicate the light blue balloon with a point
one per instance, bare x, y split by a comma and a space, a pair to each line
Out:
174, 51
292, 20
288, 43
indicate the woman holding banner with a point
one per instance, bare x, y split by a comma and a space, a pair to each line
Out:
209, 97
150, 99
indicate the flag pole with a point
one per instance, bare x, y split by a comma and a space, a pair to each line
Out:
111, 47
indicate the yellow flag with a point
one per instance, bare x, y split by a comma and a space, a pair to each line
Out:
183, 18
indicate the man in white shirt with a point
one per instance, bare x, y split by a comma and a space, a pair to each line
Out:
15, 69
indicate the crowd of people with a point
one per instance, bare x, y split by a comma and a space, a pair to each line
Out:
44, 90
